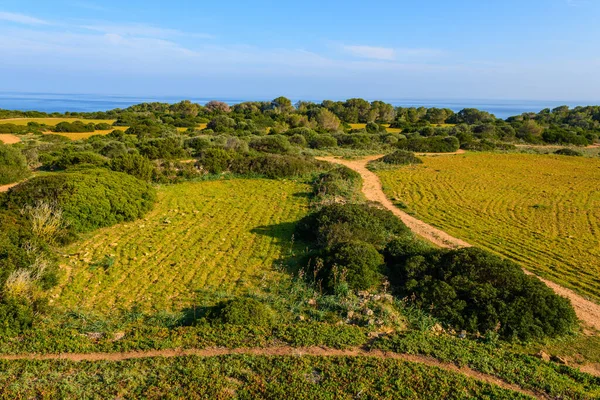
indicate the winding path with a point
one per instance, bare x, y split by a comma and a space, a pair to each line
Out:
281, 351
587, 311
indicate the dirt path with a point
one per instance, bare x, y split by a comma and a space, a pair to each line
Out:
280, 351
7, 138
587, 311
4, 188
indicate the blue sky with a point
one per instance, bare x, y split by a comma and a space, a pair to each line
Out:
527, 49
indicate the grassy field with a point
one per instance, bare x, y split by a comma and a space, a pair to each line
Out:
540, 210
85, 135
387, 127
215, 235
246, 377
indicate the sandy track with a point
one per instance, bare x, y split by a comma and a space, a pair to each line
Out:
278, 351
587, 311
7, 138
4, 188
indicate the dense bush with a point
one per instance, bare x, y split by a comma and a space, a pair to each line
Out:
357, 263
13, 165
216, 160
338, 184
435, 144
568, 152
133, 164
89, 199
322, 142
401, 157
274, 165
102, 126
73, 127
339, 223
276, 144
81, 158
167, 148
244, 311
474, 290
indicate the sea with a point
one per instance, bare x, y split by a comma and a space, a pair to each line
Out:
62, 102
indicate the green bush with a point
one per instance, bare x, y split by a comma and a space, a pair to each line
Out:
357, 263
16, 316
322, 142
81, 158
133, 164
401, 157
474, 290
568, 152
435, 144
275, 165
338, 183
13, 165
298, 140
166, 148
244, 311
102, 126
339, 223
276, 144
113, 149
89, 199
216, 160
73, 127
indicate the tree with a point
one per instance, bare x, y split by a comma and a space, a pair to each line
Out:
282, 105
327, 120
186, 108
217, 106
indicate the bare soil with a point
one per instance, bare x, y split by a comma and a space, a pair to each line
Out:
7, 138
587, 311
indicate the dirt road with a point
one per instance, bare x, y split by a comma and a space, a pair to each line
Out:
587, 311
7, 138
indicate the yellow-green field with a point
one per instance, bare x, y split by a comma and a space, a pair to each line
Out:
540, 210
219, 235
53, 121
387, 127
85, 135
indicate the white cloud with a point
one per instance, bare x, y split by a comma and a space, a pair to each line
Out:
377, 53
21, 19
141, 30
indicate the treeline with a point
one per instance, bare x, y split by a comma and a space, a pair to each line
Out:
579, 126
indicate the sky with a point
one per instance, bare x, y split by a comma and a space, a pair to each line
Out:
493, 49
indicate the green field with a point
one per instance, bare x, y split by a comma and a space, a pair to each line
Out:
246, 377
540, 210
214, 235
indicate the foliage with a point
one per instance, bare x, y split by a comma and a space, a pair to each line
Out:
133, 164
338, 184
401, 157
245, 311
89, 199
568, 152
473, 290
276, 144
356, 263
79, 159
322, 142
13, 165
435, 144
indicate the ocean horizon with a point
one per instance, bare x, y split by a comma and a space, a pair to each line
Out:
63, 102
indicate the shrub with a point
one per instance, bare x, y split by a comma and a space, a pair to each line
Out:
401, 157
276, 144
322, 142
244, 311
133, 164
216, 160
339, 223
435, 144
357, 263
162, 148
298, 140
474, 290
274, 165
16, 316
568, 152
89, 199
102, 126
82, 158
338, 183
13, 165
113, 149
76, 126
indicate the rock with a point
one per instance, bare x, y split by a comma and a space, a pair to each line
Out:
543, 355
95, 335
559, 360
301, 317
462, 334
376, 297
350, 314
389, 298
368, 312
363, 294
118, 336
312, 302
437, 329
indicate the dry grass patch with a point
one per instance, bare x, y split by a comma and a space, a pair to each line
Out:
220, 235
8, 138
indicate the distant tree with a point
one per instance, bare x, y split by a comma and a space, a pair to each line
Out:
186, 108
217, 106
282, 105
327, 120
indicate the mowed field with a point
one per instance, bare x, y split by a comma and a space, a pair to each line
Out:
540, 210
216, 235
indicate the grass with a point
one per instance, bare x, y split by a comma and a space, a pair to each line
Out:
53, 121
224, 377
542, 211
85, 135
387, 127
216, 235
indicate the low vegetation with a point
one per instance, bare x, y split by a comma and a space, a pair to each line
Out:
13, 165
